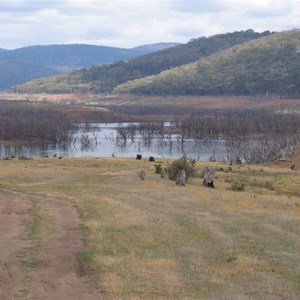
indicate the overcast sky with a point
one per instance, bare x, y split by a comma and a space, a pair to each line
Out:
125, 23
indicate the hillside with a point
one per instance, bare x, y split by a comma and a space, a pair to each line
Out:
12, 72
106, 78
27, 63
269, 65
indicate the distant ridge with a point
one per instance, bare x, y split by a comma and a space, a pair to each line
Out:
104, 79
12, 72
74, 56
43, 61
145, 49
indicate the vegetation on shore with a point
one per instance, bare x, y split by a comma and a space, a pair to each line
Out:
148, 239
251, 135
33, 122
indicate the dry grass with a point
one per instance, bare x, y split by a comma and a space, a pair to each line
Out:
206, 102
151, 240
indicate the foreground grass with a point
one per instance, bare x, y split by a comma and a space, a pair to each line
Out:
148, 239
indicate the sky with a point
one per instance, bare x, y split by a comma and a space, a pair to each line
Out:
130, 23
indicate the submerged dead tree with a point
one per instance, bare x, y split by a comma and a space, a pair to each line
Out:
34, 122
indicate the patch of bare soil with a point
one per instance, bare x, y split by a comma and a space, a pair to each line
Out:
292, 162
56, 276
13, 212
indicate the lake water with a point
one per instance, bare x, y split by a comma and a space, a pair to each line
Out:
104, 142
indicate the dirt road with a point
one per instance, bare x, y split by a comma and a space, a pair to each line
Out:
44, 268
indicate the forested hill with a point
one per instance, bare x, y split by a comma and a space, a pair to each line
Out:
12, 72
106, 78
27, 63
270, 65
70, 57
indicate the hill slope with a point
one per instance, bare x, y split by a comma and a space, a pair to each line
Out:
12, 72
24, 64
268, 65
106, 78
69, 57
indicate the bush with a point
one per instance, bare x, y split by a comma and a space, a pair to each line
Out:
158, 169
183, 163
237, 186
268, 185
142, 174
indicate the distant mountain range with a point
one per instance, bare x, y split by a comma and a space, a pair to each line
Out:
108, 78
27, 63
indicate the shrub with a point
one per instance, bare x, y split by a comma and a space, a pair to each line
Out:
237, 186
158, 169
142, 174
268, 185
163, 173
183, 163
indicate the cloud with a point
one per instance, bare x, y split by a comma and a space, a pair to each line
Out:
129, 23
25, 6
199, 6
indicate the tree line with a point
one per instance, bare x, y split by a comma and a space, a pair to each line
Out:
33, 122
252, 136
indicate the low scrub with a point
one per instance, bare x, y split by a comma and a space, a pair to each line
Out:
237, 186
183, 163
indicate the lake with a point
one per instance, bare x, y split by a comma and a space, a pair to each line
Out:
103, 141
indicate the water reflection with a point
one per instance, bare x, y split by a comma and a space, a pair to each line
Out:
104, 140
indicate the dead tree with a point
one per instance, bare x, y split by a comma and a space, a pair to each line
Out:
209, 175
181, 178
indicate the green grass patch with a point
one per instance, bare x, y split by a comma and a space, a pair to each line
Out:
85, 260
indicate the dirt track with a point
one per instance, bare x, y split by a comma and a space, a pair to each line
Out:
56, 273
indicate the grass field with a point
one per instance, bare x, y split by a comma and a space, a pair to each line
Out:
148, 239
